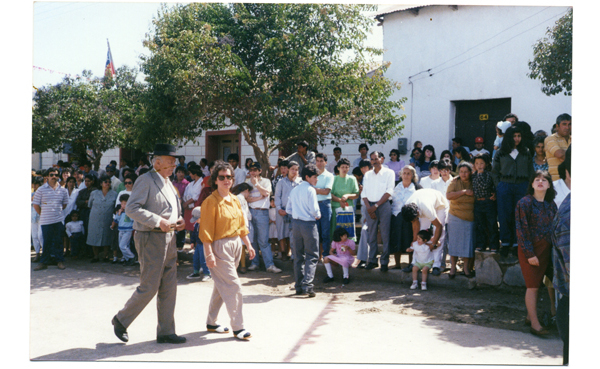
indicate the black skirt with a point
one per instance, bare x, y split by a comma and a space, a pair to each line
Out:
401, 234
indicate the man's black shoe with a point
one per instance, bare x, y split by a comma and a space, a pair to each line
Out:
361, 265
408, 269
371, 266
384, 268
328, 279
120, 330
435, 271
171, 338
311, 293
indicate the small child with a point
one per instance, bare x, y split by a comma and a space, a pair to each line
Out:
422, 258
75, 232
273, 240
198, 247
485, 211
125, 226
342, 252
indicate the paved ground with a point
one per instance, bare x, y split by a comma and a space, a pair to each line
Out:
71, 312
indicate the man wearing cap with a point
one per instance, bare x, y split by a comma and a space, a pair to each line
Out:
303, 156
258, 202
156, 212
114, 181
479, 147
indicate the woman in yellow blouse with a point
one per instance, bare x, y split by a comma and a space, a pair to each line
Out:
222, 229
461, 219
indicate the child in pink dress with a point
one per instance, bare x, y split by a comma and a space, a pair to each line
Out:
342, 252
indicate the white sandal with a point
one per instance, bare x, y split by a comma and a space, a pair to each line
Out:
217, 328
242, 335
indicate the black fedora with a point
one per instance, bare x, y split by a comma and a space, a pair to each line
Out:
161, 149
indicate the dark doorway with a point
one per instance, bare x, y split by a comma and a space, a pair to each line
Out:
478, 118
219, 144
131, 156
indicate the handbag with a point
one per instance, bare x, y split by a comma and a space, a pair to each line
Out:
344, 217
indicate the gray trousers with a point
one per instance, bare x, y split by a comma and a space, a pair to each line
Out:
227, 287
383, 219
157, 255
305, 237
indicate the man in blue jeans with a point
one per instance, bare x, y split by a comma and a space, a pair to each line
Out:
49, 202
323, 188
259, 203
304, 209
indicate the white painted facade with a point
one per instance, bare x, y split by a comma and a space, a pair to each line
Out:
476, 52
482, 53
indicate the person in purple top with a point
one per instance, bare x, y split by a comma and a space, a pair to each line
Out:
396, 164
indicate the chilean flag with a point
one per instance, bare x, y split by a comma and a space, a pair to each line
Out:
110, 66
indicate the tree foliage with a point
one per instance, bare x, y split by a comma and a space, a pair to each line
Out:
553, 55
88, 113
276, 72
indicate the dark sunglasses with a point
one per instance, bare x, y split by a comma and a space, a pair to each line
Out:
128, 183
222, 178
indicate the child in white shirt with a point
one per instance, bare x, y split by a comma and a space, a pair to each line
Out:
422, 258
75, 232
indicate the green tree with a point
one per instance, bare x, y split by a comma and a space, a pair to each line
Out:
278, 73
95, 114
553, 58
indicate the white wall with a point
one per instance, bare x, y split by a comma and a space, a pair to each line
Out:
437, 35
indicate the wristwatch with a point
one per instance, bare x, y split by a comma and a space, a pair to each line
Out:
376, 205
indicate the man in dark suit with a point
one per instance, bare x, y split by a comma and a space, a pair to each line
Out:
156, 211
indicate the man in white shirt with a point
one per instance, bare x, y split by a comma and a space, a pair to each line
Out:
332, 163
204, 167
258, 202
478, 147
323, 188
424, 208
238, 173
378, 187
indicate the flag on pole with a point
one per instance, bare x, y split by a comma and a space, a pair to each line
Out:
110, 66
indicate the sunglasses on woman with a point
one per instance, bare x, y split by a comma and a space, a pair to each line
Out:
222, 178
128, 183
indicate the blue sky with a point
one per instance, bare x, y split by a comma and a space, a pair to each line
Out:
69, 37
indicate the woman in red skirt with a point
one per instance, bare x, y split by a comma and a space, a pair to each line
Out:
534, 215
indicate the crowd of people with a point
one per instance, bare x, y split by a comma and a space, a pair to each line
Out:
312, 208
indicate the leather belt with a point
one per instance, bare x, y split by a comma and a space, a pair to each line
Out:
158, 230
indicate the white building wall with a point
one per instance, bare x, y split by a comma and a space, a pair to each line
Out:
437, 35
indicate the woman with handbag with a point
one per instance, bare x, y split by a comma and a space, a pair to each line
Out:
343, 192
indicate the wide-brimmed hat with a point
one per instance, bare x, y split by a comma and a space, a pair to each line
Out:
164, 150
195, 215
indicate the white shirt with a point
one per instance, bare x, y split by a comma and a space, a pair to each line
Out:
477, 152
71, 205
114, 183
331, 165
375, 185
240, 175
421, 253
401, 194
263, 203
561, 191
74, 227
171, 194
436, 184
245, 209
192, 191
429, 201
